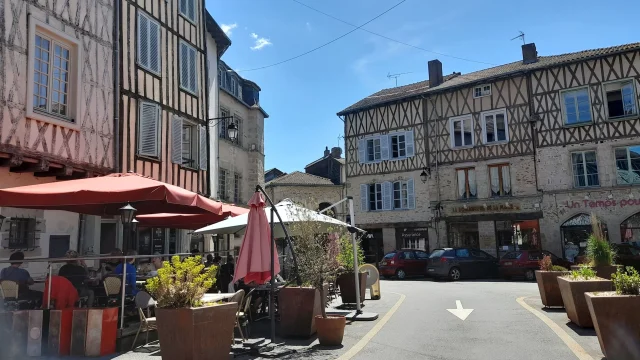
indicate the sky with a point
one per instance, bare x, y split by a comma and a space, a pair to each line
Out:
302, 96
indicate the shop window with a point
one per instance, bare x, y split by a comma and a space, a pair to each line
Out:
574, 233
467, 183
517, 235
628, 165
463, 234
500, 179
585, 169
621, 99
630, 230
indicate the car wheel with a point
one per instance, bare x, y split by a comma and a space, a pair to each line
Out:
530, 275
454, 274
400, 274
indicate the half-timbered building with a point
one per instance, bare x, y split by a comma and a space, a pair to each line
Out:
56, 114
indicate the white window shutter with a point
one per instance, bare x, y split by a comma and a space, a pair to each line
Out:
364, 197
411, 194
154, 46
384, 147
143, 40
362, 151
409, 145
193, 78
184, 66
176, 140
204, 159
387, 195
148, 128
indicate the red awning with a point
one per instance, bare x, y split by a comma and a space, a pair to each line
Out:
189, 221
105, 195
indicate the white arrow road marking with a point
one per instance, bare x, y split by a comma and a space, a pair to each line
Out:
459, 311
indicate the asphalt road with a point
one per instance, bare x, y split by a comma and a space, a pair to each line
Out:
498, 327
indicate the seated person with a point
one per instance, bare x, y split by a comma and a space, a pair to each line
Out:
77, 275
63, 294
21, 277
157, 264
110, 264
130, 280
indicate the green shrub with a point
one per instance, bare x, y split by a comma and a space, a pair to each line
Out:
599, 250
626, 282
558, 268
545, 263
345, 256
585, 273
181, 284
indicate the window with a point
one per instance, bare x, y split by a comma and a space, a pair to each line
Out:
628, 165
222, 77
148, 43
500, 180
467, 183
585, 169
373, 150
188, 9
223, 123
408, 255
188, 76
462, 131
479, 254
222, 184
149, 129
189, 145
398, 146
400, 195
494, 126
576, 106
621, 99
52, 61
422, 255
237, 186
462, 253
480, 91
22, 233
375, 197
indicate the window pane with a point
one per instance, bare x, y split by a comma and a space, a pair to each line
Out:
467, 132
577, 160
370, 150
490, 128
394, 146
457, 133
501, 125
634, 158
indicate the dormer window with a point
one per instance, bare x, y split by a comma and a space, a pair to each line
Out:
481, 91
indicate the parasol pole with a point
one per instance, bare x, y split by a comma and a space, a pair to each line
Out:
272, 313
356, 270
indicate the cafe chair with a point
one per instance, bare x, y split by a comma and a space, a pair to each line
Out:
237, 297
9, 291
112, 289
144, 301
243, 316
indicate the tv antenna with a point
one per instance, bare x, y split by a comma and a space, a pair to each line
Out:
520, 36
396, 76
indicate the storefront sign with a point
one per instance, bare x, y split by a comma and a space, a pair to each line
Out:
486, 207
591, 204
411, 237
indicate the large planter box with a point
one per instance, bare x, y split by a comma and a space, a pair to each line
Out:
604, 272
197, 333
347, 283
617, 322
298, 307
548, 287
574, 300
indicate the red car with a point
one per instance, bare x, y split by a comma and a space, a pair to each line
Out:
526, 262
403, 263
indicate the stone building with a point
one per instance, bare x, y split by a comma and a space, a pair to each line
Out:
311, 191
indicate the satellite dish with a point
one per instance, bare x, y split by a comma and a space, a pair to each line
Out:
373, 280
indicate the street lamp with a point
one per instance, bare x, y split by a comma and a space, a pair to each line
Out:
127, 213
232, 132
232, 135
424, 175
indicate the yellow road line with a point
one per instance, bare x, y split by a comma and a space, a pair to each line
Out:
367, 338
577, 350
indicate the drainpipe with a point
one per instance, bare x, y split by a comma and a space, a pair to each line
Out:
534, 138
206, 95
116, 85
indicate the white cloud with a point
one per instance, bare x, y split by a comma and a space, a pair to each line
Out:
260, 42
227, 28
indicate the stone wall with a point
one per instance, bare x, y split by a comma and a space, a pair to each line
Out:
309, 196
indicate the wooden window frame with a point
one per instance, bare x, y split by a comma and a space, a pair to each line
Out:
564, 108
584, 169
483, 118
628, 160
482, 91
502, 192
467, 185
635, 99
373, 139
184, 14
378, 199
461, 119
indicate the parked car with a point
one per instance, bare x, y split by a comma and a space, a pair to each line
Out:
526, 262
403, 263
458, 263
628, 255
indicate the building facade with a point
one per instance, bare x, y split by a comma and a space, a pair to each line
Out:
310, 191
56, 114
241, 160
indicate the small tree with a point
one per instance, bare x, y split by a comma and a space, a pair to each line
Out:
181, 284
345, 258
316, 247
599, 250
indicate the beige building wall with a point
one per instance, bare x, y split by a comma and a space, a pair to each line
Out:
309, 196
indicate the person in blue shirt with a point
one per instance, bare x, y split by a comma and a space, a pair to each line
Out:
17, 274
131, 273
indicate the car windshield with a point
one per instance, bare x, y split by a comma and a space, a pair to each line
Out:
389, 256
514, 255
436, 253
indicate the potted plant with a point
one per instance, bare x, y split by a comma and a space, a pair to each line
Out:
574, 286
600, 254
547, 278
615, 316
190, 329
346, 279
302, 309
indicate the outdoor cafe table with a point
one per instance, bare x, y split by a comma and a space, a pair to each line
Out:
216, 297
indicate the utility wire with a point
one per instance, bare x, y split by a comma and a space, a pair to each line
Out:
388, 38
325, 44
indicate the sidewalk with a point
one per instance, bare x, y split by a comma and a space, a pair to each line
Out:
585, 337
304, 348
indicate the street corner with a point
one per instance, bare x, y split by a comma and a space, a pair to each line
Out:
583, 342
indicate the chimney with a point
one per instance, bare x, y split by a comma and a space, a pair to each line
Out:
435, 73
529, 53
326, 151
336, 152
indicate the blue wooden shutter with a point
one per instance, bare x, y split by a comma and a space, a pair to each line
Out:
411, 194
149, 127
362, 151
184, 66
410, 147
364, 197
176, 140
154, 47
204, 158
387, 195
384, 147
143, 40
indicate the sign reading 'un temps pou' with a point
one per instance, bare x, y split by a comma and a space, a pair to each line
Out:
586, 204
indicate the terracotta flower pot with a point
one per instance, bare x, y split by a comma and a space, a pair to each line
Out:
603, 271
574, 300
298, 307
548, 287
330, 329
617, 322
196, 333
347, 284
